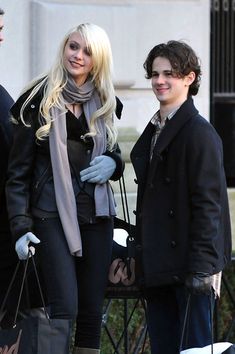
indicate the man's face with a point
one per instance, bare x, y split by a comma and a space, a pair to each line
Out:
1, 28
167, 86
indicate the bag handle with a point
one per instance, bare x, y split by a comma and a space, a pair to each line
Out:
30, 255
2, 313
130, 239
186, 318
125, 208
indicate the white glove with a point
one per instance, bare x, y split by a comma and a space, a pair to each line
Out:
22, 245
100, 170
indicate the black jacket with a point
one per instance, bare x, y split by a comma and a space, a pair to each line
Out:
8, 257
183, 221
30, 184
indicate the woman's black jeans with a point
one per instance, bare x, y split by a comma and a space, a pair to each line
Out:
75, 286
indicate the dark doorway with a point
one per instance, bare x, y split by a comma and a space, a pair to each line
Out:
223, 79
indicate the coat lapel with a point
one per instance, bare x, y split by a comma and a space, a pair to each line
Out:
140, 152
170, 131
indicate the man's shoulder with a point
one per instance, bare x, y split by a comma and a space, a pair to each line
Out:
5, 97
6, 102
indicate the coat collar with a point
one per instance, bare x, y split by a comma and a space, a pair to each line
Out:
140, 152
182, 116
34, 102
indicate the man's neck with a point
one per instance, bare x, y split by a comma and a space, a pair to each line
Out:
165, 110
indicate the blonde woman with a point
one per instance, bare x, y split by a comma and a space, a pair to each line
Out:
58, 193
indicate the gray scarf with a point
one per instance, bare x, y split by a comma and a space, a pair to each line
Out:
65, 198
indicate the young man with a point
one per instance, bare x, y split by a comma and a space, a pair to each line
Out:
182, 208
8, 257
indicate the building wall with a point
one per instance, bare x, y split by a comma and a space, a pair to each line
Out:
34, 29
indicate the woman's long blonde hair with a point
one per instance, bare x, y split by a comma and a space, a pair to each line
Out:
54, 82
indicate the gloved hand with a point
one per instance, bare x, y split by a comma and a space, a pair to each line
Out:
198, 283
101, 169
22, 245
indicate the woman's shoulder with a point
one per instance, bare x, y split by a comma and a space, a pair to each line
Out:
34, 101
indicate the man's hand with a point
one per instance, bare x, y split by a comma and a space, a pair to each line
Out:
198, 283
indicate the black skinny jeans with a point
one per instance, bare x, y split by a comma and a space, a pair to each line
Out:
75, 286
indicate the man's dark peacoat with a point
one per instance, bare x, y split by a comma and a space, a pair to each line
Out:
182, 215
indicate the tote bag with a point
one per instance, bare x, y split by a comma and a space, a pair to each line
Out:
213, 348
218, 348
34, 335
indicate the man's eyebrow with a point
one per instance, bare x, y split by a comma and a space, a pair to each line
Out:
164, 71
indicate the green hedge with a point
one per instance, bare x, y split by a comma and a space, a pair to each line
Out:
225, 311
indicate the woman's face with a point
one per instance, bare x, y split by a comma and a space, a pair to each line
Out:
77, 58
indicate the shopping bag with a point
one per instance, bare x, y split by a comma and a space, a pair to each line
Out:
124, 274
213, 348
218, 348
124, 278
35, 335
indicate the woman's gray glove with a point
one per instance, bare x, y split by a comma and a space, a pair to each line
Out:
22, 245
101, 169
199, 283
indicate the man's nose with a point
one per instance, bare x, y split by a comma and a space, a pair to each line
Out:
160, 79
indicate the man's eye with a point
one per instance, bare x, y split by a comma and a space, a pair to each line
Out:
155, 75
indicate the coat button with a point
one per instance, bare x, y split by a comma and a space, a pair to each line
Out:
88, 152
32, 106
176, 278
135, 180
167, 180
138, 247
171, 213
173, 244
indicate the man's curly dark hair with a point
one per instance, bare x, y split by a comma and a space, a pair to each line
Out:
182, 58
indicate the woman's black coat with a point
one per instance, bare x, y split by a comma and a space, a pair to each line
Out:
183, 222
30, 180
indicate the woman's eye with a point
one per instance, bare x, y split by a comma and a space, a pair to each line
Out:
73, 46
87, 52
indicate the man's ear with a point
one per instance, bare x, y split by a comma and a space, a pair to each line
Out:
190, 78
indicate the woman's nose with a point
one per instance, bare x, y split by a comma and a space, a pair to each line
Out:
79, 53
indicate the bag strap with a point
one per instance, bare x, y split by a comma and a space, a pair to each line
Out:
186, 319
2, 312
125, 208
30, 255
130, 238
